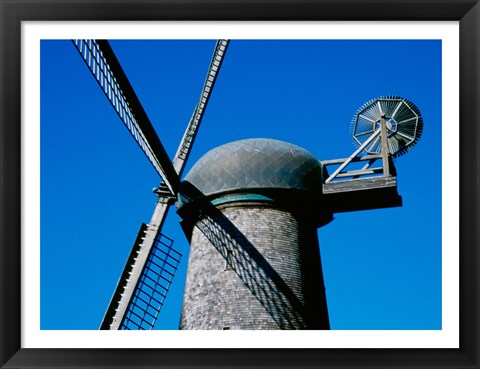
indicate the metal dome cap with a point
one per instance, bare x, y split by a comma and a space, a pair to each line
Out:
253, 171
257, 163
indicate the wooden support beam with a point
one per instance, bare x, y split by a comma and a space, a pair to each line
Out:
354, 160
349, 159
360, 172
383, 134
362, 194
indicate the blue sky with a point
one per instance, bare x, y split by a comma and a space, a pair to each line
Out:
382, 268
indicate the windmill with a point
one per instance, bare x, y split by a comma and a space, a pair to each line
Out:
385, 127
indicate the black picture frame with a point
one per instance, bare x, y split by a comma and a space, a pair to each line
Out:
12, 13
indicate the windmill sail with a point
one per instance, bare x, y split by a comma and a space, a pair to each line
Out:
149, 270
152, 286
185, 146
106, 69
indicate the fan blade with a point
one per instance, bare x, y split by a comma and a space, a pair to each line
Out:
184, 148
104, 66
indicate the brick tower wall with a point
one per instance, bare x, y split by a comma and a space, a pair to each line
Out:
254, 266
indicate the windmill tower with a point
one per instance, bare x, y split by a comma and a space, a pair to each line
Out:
252, 220
250, 208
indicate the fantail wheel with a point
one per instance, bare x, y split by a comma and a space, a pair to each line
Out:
404, 125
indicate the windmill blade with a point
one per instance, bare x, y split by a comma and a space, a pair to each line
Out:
139, 309
153, 286
104, 66
138, 298
134, 279
185, 146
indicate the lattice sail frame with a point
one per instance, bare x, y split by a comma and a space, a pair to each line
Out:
152, 287
404, 125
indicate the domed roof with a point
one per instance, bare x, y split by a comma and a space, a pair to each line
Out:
256, 164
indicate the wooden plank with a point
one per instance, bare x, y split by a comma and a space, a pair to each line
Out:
360, 172
354, 160
351, 157
359, 184
383, 128
361, 194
